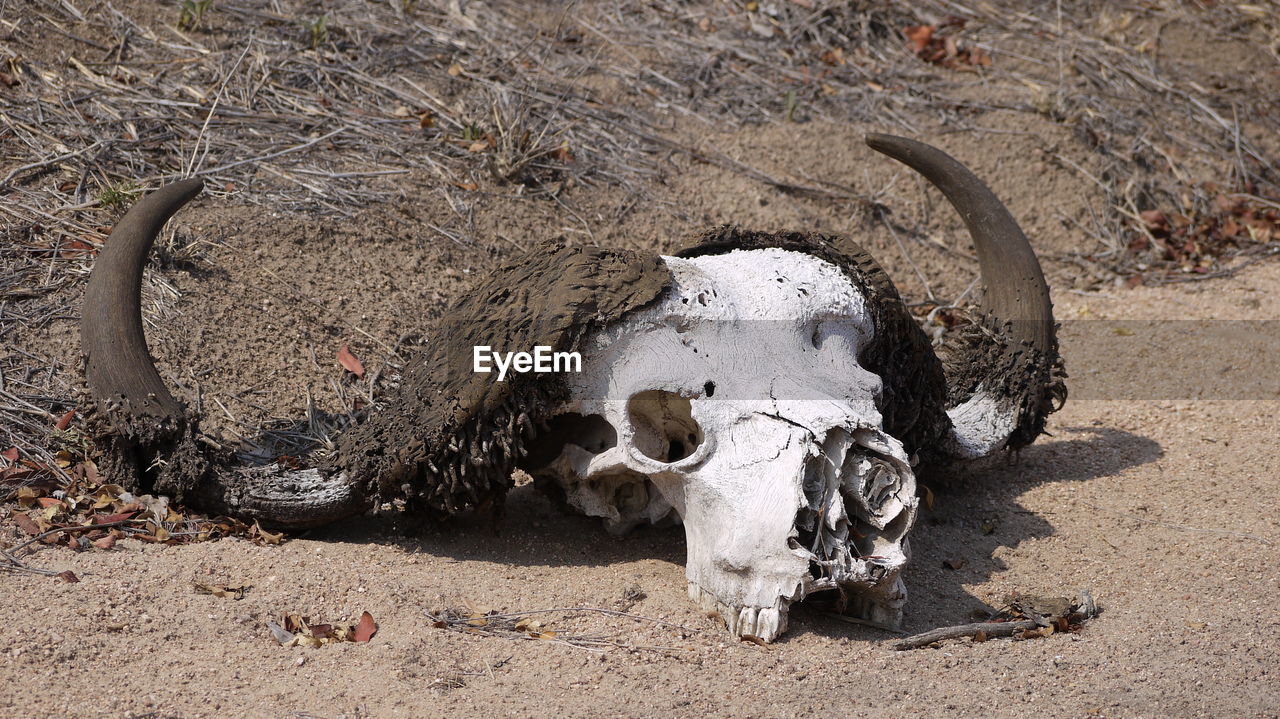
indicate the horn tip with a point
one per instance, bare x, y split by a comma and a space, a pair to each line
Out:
891, 145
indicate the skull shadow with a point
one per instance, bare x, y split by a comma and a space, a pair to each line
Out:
975, 511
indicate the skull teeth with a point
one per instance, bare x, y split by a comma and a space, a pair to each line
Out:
763, 623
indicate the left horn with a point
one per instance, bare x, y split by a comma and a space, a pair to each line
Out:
121, 374
153, 432
999, 391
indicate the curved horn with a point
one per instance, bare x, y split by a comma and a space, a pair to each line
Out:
150, 423
1016, 300
121, 374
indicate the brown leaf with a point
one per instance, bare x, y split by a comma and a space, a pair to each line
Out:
106, 542
468, 186
10, 455
349, 361
8, 80
68, 576
218, 590
919, 36
265, 536
1154, 219
26, 523
65, 420
46, 502
365, 629
321, 631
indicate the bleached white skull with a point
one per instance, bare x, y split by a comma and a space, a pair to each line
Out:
737, 405
770, 391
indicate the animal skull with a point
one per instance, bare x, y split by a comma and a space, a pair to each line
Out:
770, 391
737, 403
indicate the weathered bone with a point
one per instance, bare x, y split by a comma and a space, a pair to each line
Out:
738, 401
785, 443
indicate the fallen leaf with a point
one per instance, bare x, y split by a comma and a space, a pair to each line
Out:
46, 502
469, 186
365, 629
480, 146
69, 577
10, 455
26, 497
349, 361
1154, 219
265, 536
65, 420
106, 542
26, 523
919, 36
218, 590
8, 80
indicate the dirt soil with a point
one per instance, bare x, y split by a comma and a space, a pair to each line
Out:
1165, 503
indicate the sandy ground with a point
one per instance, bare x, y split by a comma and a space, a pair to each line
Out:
1169, 510
1158, 488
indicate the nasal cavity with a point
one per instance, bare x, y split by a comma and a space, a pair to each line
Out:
664, 425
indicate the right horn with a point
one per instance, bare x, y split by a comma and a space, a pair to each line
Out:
1005, 376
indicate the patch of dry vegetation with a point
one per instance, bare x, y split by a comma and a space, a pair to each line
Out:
329, 109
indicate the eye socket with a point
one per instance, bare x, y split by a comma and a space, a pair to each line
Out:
840, 331
664, 426
590, 432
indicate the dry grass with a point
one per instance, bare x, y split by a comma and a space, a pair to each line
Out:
328, 109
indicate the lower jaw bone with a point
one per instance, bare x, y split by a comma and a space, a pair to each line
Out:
763, 623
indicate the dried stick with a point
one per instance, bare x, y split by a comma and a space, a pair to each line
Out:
991, 629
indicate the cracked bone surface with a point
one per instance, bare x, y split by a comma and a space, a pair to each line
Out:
736, 405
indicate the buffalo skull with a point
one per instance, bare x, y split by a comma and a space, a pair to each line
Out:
769, 391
